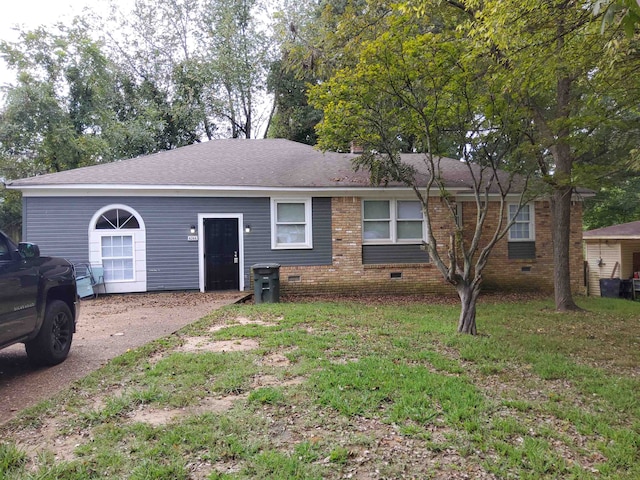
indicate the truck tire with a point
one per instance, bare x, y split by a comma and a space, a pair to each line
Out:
53, 342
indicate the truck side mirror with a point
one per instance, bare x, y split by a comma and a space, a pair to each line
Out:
28, 250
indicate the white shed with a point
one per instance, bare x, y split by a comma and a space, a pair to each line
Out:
611, 252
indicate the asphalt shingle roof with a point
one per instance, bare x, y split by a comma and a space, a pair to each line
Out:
622, 230
260, 163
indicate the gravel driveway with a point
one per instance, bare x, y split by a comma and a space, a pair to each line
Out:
108, 326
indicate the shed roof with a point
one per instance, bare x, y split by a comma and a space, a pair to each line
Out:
621, 231
263, 163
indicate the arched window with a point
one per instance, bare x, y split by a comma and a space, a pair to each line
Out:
117, 242
117, 219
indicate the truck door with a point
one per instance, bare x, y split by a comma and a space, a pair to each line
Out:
18, 293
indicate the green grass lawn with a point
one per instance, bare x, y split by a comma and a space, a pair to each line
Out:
351, 389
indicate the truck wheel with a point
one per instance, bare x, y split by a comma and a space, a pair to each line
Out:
53, 342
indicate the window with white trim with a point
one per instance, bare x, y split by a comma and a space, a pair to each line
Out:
117, 244
117, 258
291, 223
117, 219
392, 221
522, 229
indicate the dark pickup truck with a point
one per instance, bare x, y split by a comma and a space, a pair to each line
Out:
38, 302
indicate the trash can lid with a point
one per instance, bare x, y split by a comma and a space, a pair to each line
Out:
265, 265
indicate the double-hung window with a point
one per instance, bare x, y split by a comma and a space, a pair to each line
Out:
522, 229
291, 223
392, 221
116, 244
376, 224
117, 258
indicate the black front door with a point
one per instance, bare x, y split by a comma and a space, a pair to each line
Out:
221, 251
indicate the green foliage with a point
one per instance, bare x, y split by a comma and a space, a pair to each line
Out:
408, 393
11, 459
53, 113
266, 395
195, 375
238, 54
618, 12
156, 469
534, 89
277, 466
614, 204
10, 212
74, 106
339, 455
293, 118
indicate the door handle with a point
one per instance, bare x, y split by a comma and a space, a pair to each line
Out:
235, 257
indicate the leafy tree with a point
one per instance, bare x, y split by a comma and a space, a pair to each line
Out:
613, 204
551, 67
308, 33
238, 54
292, 117
164, 84
53, 116
10, 212
416, 89
571, 85
201, 64
623, 12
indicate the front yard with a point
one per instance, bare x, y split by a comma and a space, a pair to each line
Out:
354, 389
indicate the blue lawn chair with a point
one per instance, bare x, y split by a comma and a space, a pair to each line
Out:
89, 278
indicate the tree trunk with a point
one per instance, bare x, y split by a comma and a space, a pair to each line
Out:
561, 211
207, 128
468, 298
561, 198
270, 119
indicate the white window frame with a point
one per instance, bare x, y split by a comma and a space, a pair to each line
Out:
139, 282
531, 222
308, 226
132, 257
393, 224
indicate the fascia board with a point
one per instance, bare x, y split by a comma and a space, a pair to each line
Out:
190, 191
615, 238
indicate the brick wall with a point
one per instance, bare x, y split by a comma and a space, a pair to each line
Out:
536, 274
347, 274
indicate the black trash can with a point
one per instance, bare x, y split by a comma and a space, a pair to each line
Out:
610, 287
266, 282
626, 289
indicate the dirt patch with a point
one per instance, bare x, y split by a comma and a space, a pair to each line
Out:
200, 344
242, 321
272, 381
47, 438
203, 344
162, 416
276, 360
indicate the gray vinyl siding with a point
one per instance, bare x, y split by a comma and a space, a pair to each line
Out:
60, 226
522, 250
385, 254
